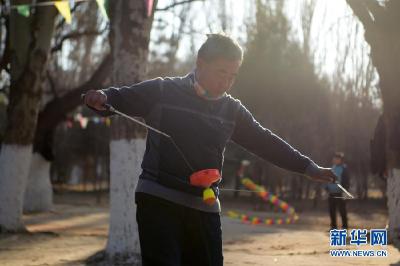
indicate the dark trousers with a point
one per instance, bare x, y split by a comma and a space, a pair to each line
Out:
335, 203
171, 234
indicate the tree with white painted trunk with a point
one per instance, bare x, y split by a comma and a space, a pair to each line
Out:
29, 45
39, 192
380, 20
129, 40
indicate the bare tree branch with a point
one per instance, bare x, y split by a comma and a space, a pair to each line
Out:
76, 35
362, 12
377, 11
56, 110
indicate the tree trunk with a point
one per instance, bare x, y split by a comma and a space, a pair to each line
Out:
12, 184
38, 193
30, 42
123, 240
393, 196
129, 40
381, 32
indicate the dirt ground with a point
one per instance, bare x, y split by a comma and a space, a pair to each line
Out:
77, 228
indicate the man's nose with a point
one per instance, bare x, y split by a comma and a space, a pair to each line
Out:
226, 83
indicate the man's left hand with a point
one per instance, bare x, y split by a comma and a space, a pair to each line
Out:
325, 175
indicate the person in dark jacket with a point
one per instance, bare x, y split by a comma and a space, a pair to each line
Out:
175, 225
336, 199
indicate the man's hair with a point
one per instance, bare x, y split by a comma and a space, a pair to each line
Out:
339, 155
220, 46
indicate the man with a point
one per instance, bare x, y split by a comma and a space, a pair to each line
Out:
336, 200
175, 226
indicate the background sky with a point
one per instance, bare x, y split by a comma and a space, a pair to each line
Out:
333, 23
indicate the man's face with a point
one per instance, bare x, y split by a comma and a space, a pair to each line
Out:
218, 75
336, 160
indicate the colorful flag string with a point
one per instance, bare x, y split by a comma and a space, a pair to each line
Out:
63, 6
64, 9
83, 121
270, 198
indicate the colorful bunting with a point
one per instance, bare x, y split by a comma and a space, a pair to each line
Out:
149, 7
108, 121
23, 10
84, 121
64, 9
102, 5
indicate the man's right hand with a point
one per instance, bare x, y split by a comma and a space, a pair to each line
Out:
95, 99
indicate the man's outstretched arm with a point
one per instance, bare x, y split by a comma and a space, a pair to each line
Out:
135, 100
262, 142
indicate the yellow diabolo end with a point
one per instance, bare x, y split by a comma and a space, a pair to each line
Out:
209, 196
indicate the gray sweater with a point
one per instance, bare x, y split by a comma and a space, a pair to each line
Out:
201, 128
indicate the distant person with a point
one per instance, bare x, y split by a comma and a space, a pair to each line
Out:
175, 226
336, 199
